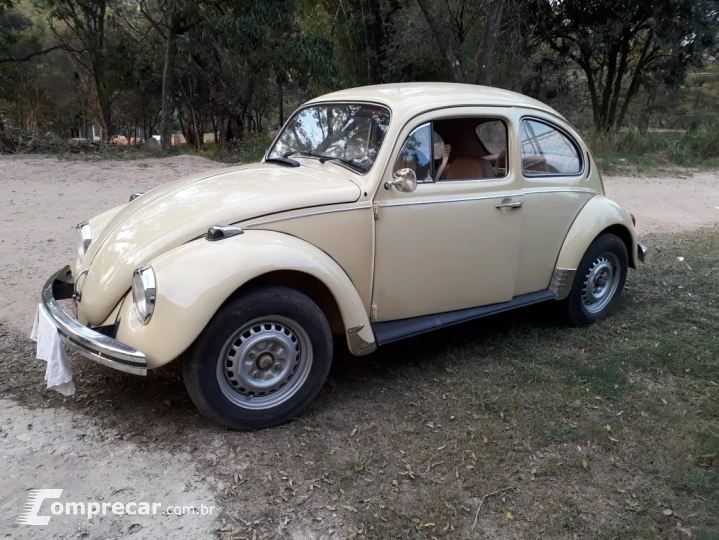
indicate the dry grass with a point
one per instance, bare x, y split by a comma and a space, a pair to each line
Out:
628, 152
610, 431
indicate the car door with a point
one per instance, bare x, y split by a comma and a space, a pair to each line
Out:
450, 244
556, 185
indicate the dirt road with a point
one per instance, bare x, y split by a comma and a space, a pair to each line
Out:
668, 203
40, 200
82, 444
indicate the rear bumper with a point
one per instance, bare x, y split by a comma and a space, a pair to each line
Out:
83, 340
641, 251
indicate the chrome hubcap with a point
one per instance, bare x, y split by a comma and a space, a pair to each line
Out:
264, 363
600, 283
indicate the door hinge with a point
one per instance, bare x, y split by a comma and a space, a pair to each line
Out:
373, 312
375, 208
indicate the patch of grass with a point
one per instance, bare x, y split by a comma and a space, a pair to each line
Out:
250, 150
592, 425
698, 479
597, 431
531, 373
605, 378
631, 151
559, 431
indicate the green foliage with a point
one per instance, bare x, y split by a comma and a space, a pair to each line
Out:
251, 150
621, 45
627, 150
237, 68
17, 34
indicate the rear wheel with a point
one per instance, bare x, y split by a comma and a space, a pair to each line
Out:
261, 360
599, 281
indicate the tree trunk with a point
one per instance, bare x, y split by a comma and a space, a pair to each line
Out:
485, 56
282, 107
225, 133
106, 109
214, 126
98, 61
636, 77
592, 95
443, 41
647, 110
168, 78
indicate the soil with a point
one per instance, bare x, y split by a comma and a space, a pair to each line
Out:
123, 438
668, 204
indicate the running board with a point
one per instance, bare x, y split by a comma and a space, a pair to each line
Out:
387, 332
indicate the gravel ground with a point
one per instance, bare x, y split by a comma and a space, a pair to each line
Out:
41, 446
122, 439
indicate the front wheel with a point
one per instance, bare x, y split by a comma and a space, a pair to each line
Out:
599, 281
261, 360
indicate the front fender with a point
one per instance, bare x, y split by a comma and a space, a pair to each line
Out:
195, 279
599, 214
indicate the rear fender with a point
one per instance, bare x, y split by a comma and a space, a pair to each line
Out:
599, 215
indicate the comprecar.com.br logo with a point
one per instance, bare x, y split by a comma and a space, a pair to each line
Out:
31, 512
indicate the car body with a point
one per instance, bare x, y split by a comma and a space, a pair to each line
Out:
377, 214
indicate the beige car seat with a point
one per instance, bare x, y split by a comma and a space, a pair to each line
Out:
468, 168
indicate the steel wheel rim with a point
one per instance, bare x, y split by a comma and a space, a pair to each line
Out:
264, 363
600, 283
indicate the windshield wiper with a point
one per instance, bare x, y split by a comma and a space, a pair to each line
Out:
347, 162
284, 160
302, 153
322, 158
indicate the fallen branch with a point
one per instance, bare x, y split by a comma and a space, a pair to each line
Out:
481, 502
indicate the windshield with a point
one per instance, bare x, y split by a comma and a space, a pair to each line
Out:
349, 133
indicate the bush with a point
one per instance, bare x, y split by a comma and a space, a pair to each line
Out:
695, 147
251, 149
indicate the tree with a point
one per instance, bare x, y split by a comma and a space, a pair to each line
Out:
242, 47
82, 27
361, 31
173, 19
619, 45
452, 32
14, 27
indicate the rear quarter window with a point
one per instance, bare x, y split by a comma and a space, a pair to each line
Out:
547, 151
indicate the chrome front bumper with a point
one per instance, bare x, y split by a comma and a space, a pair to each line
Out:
83, 340
641, 251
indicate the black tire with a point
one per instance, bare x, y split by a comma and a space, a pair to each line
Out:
575, 307
299, 327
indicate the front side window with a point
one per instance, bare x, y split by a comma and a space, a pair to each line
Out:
350, 133
416, 153
546, 150
493, 135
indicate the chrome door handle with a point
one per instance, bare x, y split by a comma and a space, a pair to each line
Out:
515, 204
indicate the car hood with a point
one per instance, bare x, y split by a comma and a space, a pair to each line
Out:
179, 211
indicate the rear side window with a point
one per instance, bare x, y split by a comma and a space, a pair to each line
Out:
546, 150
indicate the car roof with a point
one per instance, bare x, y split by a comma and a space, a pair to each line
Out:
415, 97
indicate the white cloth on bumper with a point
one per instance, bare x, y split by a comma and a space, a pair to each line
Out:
49, 348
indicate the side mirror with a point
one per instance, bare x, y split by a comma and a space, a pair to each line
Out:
404, 180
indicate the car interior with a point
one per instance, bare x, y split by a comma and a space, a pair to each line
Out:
476, 149
462, 149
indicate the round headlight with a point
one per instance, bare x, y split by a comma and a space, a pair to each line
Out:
83, 238
144, 289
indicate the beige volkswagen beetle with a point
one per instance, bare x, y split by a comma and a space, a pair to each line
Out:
378, 214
